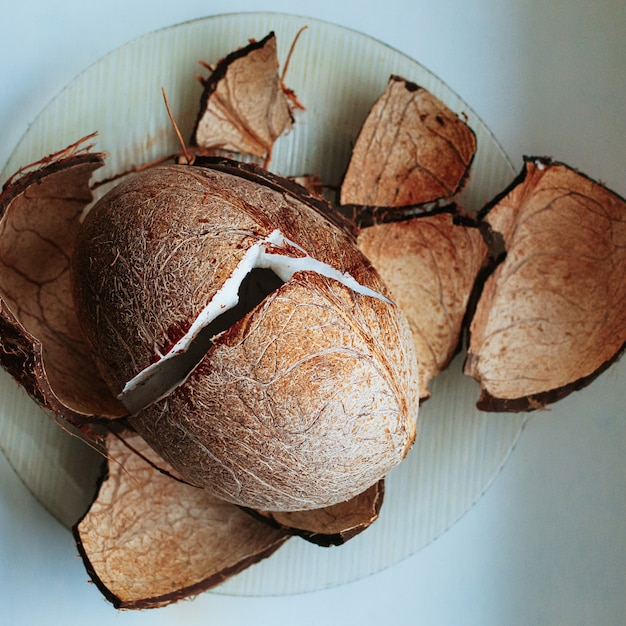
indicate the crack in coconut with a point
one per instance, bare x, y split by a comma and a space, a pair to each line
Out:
281, 258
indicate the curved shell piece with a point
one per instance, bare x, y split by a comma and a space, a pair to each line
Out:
430, 264
412, 149
149, 540
553, 313
41, 342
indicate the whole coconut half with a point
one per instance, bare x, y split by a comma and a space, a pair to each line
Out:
253, 344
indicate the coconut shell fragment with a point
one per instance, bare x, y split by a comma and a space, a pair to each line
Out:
149, 539
553, 314
41, 341
333, 525
244, 107
430, 264
412, 149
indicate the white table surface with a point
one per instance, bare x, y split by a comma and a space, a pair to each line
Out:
546, 544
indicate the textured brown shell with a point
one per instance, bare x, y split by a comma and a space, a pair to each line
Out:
306, 401
411, 149
333, 525
430, 264
243, 107
41, 342
149, 540
553, 313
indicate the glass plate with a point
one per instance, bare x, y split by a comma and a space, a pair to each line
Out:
338, 74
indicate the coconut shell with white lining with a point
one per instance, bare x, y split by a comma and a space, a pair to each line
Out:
300, 401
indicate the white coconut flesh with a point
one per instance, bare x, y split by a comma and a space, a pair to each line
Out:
265, 266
